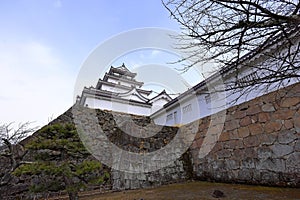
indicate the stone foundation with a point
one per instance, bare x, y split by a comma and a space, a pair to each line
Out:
259, 143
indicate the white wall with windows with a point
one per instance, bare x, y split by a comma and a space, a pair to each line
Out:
210, 103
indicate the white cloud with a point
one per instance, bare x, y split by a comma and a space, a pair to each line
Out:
34, 83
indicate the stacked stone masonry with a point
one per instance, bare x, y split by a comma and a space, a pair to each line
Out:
259, 143
116, 127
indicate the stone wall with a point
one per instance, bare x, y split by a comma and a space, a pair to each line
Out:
120, 129
259, 143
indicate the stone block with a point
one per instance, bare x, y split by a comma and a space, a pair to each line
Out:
272, 126
268, 177
225, 136
288, 124
231, 125
297, 114
238, 153
233, 144
252, 110
283, 114
134, 184
127, 184
243, 132
264, 152
224, 153
141, 176
231, 164
293, 162
240, 114
203, 126
297, 123
256, 177
286, 136
218, 146
271, 164
255, 129
268, 108
297, 145
197, 143
245, 175
290, 101
263, 117
245, 121
281, 150
117, 184
234, 134
250, 153
267, 139
219, 166
251, 141
254, 119
115, 174
215, 129
248, 163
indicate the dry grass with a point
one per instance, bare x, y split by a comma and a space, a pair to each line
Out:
198, 190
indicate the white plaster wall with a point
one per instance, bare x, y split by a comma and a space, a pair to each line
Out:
158, 104
117, 106
113, 89
126, 84
112, 80
175, 119
132, 97
182, 117
199, 109
117, 82
160, 119
236, 98
193, 113
225, 100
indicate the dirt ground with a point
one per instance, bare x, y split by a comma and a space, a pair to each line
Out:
201, 190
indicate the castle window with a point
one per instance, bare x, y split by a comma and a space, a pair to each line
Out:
175, 117
247, 80
187, 108
169, 117
211, 97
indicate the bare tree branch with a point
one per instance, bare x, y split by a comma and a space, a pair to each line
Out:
12, 148
232, 32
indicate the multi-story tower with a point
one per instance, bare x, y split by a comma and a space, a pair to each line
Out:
120, 91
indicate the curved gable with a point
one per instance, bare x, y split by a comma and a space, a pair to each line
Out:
133, 94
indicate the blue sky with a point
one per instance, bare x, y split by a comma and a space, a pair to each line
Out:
44, 43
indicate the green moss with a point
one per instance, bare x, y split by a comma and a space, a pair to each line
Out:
61, 158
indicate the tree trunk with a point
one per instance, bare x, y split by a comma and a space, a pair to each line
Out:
73, 195
72, 192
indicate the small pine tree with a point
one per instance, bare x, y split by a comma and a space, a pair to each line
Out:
61, 159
